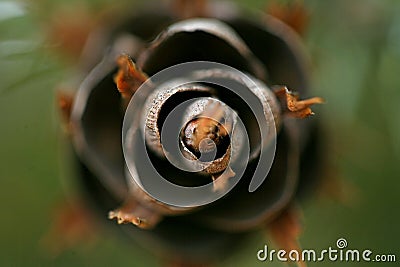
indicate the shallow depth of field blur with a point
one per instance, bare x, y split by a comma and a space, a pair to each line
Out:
355, 54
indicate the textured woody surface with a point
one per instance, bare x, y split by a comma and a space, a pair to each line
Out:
236, 42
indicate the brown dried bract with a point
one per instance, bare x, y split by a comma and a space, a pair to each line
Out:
286, 229
190, 8
295, 107
133, 212
65, 102
129, 77
69, 28
73, 223
293, 14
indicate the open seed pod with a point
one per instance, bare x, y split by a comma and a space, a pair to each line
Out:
184, 137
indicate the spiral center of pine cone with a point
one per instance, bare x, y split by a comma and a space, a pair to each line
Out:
206, 138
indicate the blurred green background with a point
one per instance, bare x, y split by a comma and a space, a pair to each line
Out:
355, 53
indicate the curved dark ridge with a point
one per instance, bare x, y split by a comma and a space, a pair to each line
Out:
281, 61
194, 46
101, 122
176, 175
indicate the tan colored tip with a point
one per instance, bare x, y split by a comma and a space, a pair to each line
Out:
133, 212
295, 107
129, 77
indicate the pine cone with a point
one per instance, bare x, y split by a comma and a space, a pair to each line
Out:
185, 140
